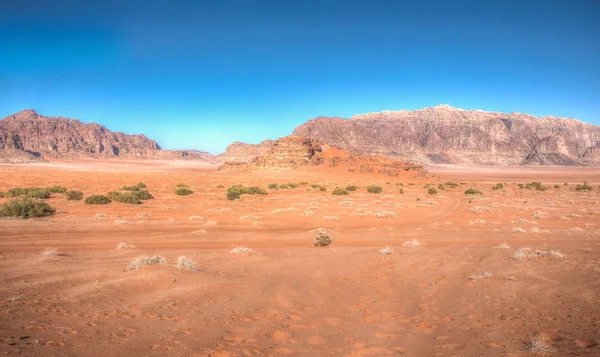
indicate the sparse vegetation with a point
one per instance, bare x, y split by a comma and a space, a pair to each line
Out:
351, 188
220, 186
314, 185
2, 194
182, 185
536, 185
303, 183
142, 195
472, 191
322, 188
322, 239
235, 192
97, 200
292, 185
283, 186
386, 251
374, 189
15, 192
273, 186
432, 191
39, 193
183, 191
241, 250
124, 245
412, 243
143, 261
186, 263
131, 188
50, 251
441, 187
25, 208
339, 192
584, 187
451, 184
141, 185
124, 197
56, 189
73, 195
498, 186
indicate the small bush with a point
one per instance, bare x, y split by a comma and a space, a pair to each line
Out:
374, 189
15, 192
292, 185
183, 191
322, 239
74, 195
451, 184
322, 188
141, 185
130, 188
339, 192
536, 185
235, 192
182, 185
220, 186
401, 191
584, 187
283, 186
498, 186
556, 186
2, 194
123, 197
97, 200
411, 183
142, 195
56, 189
351, 188
441, 187
143, 261
303, 183
25, 208
472, 191
432, 191
37, 193
273, 186
314, 185
186, 263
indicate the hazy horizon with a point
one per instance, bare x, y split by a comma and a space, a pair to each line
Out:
201, 75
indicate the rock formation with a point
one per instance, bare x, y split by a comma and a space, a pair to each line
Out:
241, 152
27, 136
444, 134
294, 152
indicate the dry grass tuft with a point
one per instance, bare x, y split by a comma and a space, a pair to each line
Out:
199, 218
143, 261
124, 245
518, 230
412, 243
322, 239
503, 245
50, 251
386, 251
241, 250
185, 263
539, 344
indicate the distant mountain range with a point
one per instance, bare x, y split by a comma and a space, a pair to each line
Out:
438, 135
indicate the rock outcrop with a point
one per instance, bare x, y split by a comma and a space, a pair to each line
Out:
293, 152
444, 134
27, 136
242, 152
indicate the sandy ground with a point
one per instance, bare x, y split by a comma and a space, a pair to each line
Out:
289, 297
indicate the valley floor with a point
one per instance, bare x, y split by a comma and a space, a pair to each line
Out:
511, 272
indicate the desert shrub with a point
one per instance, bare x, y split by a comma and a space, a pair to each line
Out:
97, 200
451, 184
303, 183
520, 185
584, 187
142, 194
141, 185
130, 188
472, 191
374, 189
183, 191
536, 185
182, 185
35, 192
253, 190
2, 194
74, 195
292, 185
56, 189
339, 192
235, 192
566, 184
143, 261
498, 186
441, 187
401, 191
314, 185
15, 192
322, 188
556, 186
283, 186
432, 191
220, 186
186, 263
124, 197
411, 183
25, 208
273, 186
400, 184
322, 239
351, 188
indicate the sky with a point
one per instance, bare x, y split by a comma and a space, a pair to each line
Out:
202, 74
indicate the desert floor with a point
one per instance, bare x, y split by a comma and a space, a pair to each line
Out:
458, 293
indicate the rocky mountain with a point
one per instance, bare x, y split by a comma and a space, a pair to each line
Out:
444, 134
241, 152
293, 152
27, 136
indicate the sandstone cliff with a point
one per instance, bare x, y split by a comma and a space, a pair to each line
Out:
445, 134
27, 136
241, 152
294, 152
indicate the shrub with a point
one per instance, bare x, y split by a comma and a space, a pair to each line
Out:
141, 185
74, 195
401, 191
498, 186
584, 187
556, 186
97, 200
432, 191
143, 261
142, 194
339, 192
220, 186
322, 239
292, 185
536, 185
472, 191
2, 194
400, 184
235, 192
56, 189
182, 185
186, 263
411, 183
283, 186
451, 184
124, 197
183, 191
351, 188
441, 187
25, 208
35, 192
15, 192
303, 183
322, 188
374, 189
130, 188
314, 185
273, 186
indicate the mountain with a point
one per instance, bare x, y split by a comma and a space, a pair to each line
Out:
444, 135
241, 152
294, 152
27, 136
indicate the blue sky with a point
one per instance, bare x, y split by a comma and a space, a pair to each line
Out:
202, 74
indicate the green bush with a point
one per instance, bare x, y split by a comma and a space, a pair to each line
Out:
142, 194
141, 185
536, 185
283, 186
556, 186
183, 191
130, 188
451, 184
339, 192
292, 185
25, 208
374, 189
322, 188
74, 195
472, 191
273, 186
432, 191
35, 192
351, 188
303, 183
584, 187
498, 186
56, 189
235, 192
124, 197
15, 192
441, 187
97, 200
400, 184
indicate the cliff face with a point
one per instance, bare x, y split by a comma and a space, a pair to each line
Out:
27, 136
241, 152
294, 152
444, 134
